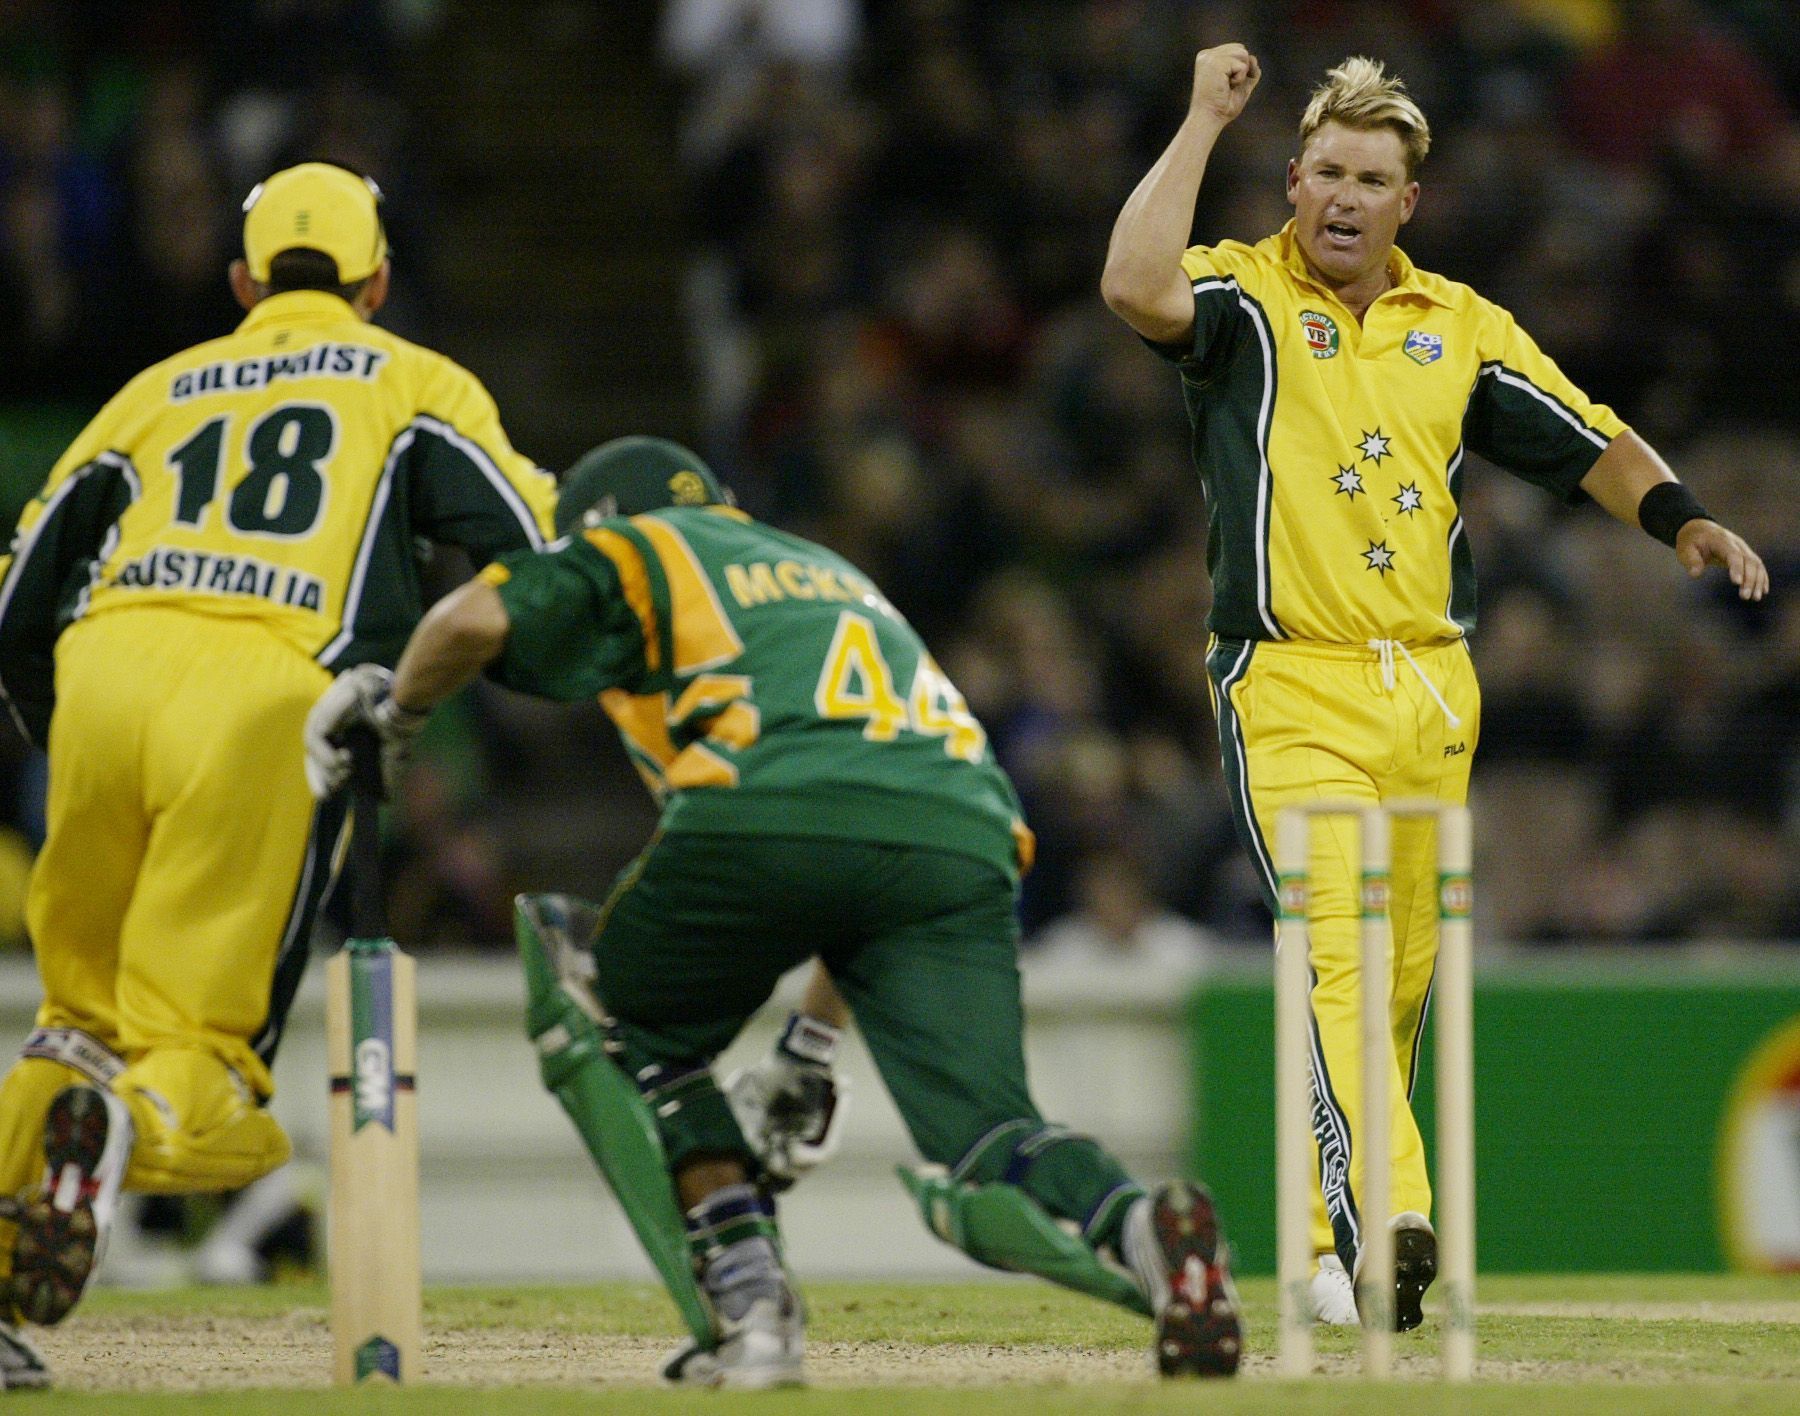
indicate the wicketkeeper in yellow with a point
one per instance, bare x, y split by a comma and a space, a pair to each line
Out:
234, 527
1334, 389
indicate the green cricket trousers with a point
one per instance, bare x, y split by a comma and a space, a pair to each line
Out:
922, 943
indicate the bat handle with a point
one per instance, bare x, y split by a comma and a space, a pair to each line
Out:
368, 912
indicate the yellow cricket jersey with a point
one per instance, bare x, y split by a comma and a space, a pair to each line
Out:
1332, 451
280, 474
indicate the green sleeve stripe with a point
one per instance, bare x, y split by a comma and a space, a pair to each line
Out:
1461, 606
1208, 348
365, 550
53, 519
1502, 374
1265, 480
46, 587
1530, 431
510, 502
1265, 392
108, 514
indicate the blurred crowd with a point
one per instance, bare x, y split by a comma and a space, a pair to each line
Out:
898, 211
130, 130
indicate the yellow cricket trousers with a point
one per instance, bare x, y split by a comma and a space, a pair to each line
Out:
170, 907
1304, 721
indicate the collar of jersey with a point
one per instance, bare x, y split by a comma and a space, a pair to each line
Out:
1285, 249
299, 307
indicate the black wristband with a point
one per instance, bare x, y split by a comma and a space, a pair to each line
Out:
1666, 508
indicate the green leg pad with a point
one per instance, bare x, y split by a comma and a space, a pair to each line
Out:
1001, 1226
564, 1021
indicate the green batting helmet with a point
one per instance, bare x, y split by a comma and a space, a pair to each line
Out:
628, 476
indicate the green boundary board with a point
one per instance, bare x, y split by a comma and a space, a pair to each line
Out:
32, 437
1600, 1089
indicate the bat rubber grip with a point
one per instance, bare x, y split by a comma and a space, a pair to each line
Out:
368, 912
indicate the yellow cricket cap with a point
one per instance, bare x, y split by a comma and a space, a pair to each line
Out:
318, 207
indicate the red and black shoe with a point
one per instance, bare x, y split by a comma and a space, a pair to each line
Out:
1173, 1244
87, 1144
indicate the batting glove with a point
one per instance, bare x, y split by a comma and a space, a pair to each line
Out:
359, 696
791, 1105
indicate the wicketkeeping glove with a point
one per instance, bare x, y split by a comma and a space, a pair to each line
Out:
791, 1105
362, 695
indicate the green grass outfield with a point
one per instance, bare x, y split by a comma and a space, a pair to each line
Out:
1640, 1344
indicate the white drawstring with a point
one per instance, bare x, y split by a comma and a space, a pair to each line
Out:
1385, 648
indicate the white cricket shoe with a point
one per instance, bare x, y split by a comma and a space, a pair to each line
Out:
764, 1348
21, 1365
1333, 1295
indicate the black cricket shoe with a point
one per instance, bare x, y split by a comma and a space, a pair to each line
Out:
1415, 1266
87, 1143
1173, 1245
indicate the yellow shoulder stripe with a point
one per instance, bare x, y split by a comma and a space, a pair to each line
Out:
704, 637
634, 580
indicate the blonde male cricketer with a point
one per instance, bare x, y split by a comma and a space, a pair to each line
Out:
1334, 389
233, 528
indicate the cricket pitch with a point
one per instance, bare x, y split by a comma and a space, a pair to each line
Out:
1639, 1343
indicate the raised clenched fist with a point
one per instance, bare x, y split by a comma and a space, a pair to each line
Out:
1224, 79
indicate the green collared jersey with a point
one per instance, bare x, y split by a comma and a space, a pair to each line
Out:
762, 685
280, 473
1332, 450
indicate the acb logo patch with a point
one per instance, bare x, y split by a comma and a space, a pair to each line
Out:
1321, 333
1423, 348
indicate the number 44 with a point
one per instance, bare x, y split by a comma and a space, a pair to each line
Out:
857, 683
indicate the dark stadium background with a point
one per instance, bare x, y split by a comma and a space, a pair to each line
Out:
852, 251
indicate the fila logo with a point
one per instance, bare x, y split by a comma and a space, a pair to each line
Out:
1455, 749
374, 1078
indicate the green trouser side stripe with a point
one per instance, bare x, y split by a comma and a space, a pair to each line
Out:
292, 954
1228, 663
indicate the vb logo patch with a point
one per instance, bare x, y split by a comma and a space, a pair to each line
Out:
1321, 333
1423, 348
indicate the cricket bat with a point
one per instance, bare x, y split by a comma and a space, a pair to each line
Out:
371, 1023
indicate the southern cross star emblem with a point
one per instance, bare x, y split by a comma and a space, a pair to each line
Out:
1379, 557
1349, 481
1375, 447
1410, 498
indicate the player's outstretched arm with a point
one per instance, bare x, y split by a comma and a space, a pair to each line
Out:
461, 635
1143, 281
1632, 482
